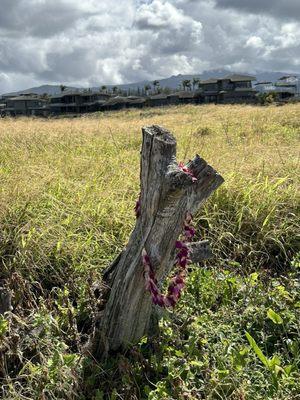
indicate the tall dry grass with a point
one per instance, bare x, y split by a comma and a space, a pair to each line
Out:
67, 192
68, 186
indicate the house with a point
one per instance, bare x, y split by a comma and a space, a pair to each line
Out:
25, 105
208, 90
93, 101
293, 79
77, 102
120, 102
285, 88
288, 86
157, 100
115, 103
285, 91
65, 102
234, 88
173, 98
136, 102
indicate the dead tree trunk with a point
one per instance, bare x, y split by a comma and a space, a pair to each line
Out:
167, 194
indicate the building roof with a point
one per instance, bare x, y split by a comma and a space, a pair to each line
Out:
286, 77
117, 100
239, 78
210, 80
134, 97
16, 94
263, 83
286, 84
25, 98
159, 96
77, 93
139, 100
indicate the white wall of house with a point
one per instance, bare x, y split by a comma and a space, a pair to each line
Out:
265, 87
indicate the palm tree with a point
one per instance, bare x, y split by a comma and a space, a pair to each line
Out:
103, 88
147, 87
115, 89
62, 88
155, 85
186, 84
195, 82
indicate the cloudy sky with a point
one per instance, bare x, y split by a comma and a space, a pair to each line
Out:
95, 42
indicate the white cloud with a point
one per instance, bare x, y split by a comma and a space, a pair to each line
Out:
255, 41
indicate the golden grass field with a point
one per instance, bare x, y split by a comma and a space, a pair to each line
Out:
68, 189
89, 166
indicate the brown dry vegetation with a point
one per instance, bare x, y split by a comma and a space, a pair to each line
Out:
67, 192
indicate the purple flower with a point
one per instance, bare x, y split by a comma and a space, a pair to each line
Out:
187, 171
177, 282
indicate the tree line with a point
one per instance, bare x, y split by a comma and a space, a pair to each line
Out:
148, 89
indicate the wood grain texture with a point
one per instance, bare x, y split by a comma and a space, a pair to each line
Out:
167, 194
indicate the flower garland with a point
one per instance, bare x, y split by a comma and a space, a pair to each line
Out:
182, 259
178, 281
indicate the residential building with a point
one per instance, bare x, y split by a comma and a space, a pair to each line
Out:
234, 88
285, 88
157, 100
288, 86
77, 102
25, 105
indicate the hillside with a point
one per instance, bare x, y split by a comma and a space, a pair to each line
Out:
172, 82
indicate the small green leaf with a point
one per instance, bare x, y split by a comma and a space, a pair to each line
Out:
273, 316
257, 350
288, 369
3, 326
274, 361
196, 363
253, 278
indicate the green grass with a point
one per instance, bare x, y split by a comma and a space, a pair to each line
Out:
67, 192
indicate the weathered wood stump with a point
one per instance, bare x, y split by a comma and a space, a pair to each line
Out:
167, 195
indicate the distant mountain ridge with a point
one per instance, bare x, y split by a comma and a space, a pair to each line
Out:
172, 82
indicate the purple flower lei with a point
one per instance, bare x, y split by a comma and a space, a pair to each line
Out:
177, 283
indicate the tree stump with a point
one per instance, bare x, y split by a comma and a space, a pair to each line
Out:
167, 195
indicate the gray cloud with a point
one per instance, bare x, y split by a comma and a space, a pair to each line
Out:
39, 18
277, 8
92, 42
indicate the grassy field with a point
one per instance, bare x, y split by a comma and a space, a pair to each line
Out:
67, 193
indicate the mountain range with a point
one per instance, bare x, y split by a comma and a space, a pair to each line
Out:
172, 82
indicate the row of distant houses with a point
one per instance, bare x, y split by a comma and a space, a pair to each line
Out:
228, 90
285, 87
